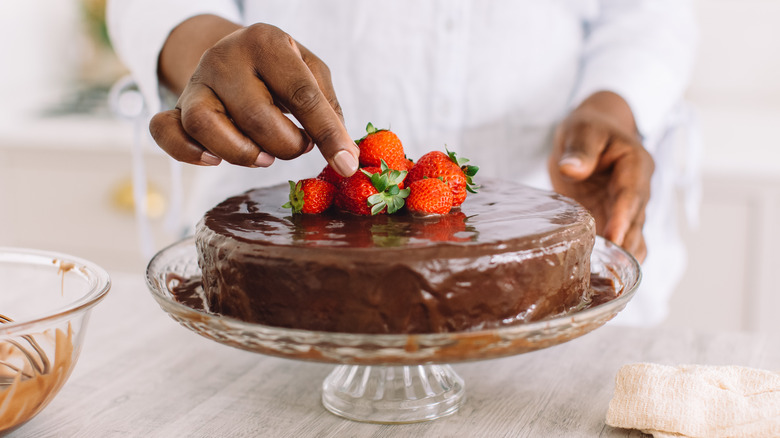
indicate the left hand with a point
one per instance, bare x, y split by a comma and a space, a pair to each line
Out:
599, 161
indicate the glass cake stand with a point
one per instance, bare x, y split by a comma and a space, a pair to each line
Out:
396, 378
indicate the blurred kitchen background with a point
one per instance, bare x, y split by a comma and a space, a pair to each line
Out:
66, 141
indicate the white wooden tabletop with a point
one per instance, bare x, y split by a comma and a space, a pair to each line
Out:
142, 374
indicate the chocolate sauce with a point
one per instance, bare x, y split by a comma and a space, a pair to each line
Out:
495, 217
189, 291
510, 254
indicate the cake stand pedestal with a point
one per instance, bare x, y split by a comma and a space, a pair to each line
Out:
396, 378
393, 394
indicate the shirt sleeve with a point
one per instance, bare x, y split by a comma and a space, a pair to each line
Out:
643, 50
139, 28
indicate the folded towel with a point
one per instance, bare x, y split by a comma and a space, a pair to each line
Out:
696, 401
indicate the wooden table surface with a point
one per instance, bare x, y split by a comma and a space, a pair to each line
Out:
142, 374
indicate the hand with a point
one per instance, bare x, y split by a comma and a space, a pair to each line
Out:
232, 106
598, 160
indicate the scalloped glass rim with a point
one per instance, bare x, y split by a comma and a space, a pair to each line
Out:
396, 349
96, 277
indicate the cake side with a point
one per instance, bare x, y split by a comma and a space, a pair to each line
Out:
437, 295
258, 266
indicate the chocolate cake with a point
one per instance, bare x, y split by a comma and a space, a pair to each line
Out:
511, 254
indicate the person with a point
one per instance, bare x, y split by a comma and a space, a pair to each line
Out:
571, 95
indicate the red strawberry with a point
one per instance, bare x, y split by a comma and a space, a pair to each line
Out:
310, 196
372, 191
453, 170
381, 144
330, 175
429, 196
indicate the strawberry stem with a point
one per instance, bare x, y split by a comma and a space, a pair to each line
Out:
467, 169
296, 197
390, 195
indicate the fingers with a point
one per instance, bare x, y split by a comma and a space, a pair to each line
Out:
249, 105
233, 107
629, 191
204, 119
634, 241
598, 160
311, 100
582, 145
167, 131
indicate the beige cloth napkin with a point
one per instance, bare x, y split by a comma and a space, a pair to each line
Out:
696, 401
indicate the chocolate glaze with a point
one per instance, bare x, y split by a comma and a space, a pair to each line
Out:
512, 253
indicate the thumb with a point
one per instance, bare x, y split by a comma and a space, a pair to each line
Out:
582, 147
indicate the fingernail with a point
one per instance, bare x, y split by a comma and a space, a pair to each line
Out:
209, 159
570, 160
345, 163
264, 159
309, 147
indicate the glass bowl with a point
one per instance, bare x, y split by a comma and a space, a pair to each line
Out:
389, 378
45, 303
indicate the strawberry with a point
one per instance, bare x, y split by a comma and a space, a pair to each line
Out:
372, 191
453, 170
429, 196
378, 145
310, 196
330, 175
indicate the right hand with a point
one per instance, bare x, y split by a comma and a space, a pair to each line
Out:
233, 106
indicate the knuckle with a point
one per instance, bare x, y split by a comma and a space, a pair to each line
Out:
328, 135
169, 137
334, 103
253, 119
261, 36
157, 127
319, 68
197, 121
263, 31
647, 158
304, 97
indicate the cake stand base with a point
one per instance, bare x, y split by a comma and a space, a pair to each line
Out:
393, 394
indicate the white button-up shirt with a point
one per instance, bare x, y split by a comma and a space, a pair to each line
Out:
489, 79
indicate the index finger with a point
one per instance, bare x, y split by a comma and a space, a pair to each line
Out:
629, 188
295, 85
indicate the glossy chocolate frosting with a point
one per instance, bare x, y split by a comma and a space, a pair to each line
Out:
511, 253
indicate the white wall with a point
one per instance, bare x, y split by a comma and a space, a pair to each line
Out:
733, 262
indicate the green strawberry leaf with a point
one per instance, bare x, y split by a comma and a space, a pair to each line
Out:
390, 194
296, 198
467, 169
370, 129
377, 204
